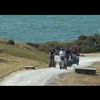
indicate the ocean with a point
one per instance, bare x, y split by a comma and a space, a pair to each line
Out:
45, 28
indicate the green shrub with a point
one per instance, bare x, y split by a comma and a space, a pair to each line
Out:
87, 49
82, 37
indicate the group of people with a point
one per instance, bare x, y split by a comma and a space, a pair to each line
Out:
68, 56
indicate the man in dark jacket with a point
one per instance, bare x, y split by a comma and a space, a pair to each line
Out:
68, 53
75, 54
52, 55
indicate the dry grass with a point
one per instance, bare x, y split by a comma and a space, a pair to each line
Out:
74, 79
16, 57
10, 64
19, 50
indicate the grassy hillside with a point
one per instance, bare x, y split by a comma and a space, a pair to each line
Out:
16, 57
20, 50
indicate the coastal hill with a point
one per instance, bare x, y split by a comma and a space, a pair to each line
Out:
14, 57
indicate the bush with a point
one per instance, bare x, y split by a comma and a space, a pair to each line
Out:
11, 42
82, 37
56, 45
33, 44
88, 43
87, 49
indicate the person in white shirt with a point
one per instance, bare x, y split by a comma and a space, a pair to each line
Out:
62, 54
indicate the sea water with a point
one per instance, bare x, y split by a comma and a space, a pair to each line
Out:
45, 28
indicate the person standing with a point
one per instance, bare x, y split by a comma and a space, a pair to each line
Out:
75, 54
52, 56
62, 58
68, 54
62, 54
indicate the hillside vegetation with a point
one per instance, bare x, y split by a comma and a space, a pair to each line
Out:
16, 57
23, 51
87, 44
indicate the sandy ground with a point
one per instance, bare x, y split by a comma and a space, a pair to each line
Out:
43, 77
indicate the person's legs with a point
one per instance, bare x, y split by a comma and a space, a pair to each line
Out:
62, 61
77, 60
70, 60
65, 62
62, 58
53, 62
67, 57
50, 64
